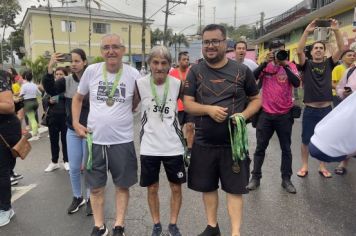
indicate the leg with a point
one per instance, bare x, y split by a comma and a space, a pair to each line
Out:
211, 202
305, 155
234, 206
53, 130
5, 184
75, 155
32, 121
189, 134
153, 202
176, 201
122, 200
97, 197
63, 130
264, 132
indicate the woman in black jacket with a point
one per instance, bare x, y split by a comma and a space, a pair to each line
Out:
10, 130
56, 121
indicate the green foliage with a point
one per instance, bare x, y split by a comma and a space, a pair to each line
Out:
9, 9
243, 30
38, 67
97, 60
157, 37
17, 41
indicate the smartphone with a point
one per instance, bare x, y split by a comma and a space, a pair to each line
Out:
66, 57
347, 89
323, 23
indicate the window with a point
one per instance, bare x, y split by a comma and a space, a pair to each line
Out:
101, 28
68, 26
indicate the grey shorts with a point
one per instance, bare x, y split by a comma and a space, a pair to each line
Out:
119, 159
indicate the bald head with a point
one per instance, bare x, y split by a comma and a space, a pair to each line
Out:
111, 36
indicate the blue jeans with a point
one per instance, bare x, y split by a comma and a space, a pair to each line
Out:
77, 152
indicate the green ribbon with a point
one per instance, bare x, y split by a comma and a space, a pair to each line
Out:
238, 138
90, 151
158, 101
116, 82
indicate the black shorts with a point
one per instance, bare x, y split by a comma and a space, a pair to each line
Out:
184, 117
151, 165
209, 164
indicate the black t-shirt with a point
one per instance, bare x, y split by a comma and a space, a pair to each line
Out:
317, 80
229, 86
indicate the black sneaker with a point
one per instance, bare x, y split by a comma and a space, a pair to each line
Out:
102, 231
211, 231
88, 209
173, 230
75, 205
157, 230
16, 176
288, 186
118, 231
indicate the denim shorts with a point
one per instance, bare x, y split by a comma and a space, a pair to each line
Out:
311, 117
321, 156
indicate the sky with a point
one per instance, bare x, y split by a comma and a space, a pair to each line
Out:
185, 16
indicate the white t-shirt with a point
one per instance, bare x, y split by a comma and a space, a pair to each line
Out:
250, 64
160, 138
29, 90
335, 134
110, 125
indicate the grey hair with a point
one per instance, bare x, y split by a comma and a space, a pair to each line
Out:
112, 35
160, 51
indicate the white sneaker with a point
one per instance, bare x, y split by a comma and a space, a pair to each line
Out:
51, 167
66, 166
34, 138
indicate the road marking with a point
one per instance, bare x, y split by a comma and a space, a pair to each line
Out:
18, 192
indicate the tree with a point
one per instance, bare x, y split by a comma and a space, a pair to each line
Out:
38, 67
16, 41
88, 6
156, 37
242, 30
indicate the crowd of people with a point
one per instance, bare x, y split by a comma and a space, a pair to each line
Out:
189, 116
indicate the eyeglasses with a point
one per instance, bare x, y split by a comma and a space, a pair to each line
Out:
107, 48
213, 42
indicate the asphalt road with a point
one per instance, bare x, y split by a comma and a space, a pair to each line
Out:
320, 207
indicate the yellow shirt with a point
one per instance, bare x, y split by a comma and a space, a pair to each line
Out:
16, 88
337, 74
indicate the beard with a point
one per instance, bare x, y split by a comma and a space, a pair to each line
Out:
218, 58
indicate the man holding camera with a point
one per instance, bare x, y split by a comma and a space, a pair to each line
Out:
317, 86
277, 76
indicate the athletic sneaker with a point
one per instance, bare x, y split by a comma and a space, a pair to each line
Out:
51, 167
102, 231
14, 182
16, 176
118, 231
5, 216
88, 209
66, 166
173, 230
211, 231
157, 230
76, 204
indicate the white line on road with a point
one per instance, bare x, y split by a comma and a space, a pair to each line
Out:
18, 192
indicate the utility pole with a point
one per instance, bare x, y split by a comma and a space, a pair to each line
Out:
51, 26
130, 54
214, 11
261, 23
165, 38
200, 6
143, 40
89, 39
235, 14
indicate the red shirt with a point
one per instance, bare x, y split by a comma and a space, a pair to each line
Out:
175, 72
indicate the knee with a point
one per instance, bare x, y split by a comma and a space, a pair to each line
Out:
189, 127
153, 189
176, 189
97, 192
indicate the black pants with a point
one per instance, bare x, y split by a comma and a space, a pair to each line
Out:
11, 131
57, 128
266, 126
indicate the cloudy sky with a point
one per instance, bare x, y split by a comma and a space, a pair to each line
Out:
248, 11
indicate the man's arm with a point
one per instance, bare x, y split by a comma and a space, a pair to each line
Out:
136, 98
303, 40
339, 41
217, 113
259, 70
77, 102
253, 107
292, 77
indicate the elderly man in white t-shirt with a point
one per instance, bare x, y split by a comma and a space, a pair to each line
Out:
109, 134
240, 54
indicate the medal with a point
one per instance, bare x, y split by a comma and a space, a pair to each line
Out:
236, 167
110, 101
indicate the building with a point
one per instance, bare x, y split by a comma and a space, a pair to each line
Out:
289, 26
71, 30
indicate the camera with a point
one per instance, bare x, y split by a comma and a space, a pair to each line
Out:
66, 57
281, 55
